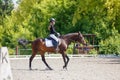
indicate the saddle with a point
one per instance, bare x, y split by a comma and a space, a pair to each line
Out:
50, 42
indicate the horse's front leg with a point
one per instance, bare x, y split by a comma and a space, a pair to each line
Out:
65, 62
67, 59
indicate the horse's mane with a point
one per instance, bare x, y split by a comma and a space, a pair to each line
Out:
69, 34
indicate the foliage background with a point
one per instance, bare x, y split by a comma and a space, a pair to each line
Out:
30, 20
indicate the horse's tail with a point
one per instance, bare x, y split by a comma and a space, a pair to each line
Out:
30, 42
24, 42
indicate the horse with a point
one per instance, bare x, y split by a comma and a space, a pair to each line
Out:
38, 45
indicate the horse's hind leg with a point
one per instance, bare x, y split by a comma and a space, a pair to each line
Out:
30, 61
43, 59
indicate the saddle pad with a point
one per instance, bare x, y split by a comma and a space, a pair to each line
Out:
48, 43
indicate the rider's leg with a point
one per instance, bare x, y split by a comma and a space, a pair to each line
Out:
55, 42
54, 37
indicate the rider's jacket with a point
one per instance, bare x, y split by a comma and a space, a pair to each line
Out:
52, 30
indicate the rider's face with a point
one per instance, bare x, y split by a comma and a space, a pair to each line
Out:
53, 22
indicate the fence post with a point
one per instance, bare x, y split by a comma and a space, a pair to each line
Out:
16, 50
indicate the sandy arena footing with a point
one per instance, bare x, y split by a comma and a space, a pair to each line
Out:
87, 68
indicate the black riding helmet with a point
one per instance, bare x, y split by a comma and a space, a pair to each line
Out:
52, 19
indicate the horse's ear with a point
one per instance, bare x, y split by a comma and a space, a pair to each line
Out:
79, 32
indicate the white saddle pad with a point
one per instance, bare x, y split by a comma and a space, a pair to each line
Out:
48, 43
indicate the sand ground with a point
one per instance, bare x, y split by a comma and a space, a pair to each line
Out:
89, 68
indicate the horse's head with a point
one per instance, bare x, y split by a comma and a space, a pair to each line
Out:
81, 38
77, 37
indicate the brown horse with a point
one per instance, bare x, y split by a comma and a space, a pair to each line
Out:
38, 45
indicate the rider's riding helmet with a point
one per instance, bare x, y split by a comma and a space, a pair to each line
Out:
52, 19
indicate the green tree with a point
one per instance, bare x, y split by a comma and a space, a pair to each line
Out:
35, 16
6, 6
98, 17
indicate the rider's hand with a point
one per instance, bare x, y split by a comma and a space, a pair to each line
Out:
58, 34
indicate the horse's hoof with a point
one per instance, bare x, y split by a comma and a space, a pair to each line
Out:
64, 67
50, 69
30, 68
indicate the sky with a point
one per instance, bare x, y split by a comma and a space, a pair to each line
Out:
15, 4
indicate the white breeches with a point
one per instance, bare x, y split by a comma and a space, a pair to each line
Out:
54, 37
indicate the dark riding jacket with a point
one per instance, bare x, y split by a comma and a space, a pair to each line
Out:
52, 30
